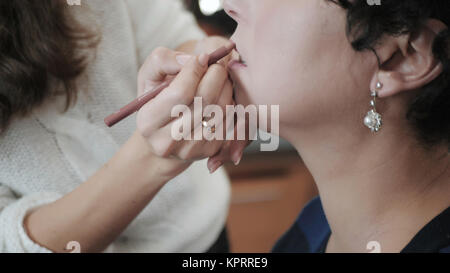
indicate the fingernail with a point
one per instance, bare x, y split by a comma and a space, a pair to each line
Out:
183, 59
237, 158
203, 59
214, 166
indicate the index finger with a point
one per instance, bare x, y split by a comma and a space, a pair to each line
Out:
180, 92
161, 63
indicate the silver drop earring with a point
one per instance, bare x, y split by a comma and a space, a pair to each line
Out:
373, 119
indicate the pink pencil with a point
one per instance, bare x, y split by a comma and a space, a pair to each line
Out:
136, 104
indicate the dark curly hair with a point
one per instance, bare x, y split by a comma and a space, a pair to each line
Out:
40, 54
429, 112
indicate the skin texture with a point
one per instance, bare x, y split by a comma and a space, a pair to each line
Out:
374, 187
109, 200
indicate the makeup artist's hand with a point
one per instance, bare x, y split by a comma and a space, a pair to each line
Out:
136, 166
231, 150
193, 79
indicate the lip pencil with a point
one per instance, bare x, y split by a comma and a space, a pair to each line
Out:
136, 104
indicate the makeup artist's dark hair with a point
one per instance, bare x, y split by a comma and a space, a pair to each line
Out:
429, 112
40, 54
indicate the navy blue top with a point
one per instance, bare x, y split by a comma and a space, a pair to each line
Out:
311, 231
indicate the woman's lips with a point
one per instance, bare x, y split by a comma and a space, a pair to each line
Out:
236, 64
237, 60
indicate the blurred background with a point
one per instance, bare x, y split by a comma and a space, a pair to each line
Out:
269, 189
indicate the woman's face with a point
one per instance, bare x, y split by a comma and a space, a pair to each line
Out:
297, 56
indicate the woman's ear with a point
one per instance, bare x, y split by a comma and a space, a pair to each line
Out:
407, 61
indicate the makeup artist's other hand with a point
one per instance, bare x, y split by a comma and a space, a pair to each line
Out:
210, 44
164, 63
231, 150
192, 79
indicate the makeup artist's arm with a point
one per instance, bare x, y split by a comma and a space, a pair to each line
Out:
96, 212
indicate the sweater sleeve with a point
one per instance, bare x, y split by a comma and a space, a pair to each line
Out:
13, 237
163, 23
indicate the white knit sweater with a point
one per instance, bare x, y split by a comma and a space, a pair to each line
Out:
49, 153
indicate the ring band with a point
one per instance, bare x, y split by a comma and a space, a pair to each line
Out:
205, 124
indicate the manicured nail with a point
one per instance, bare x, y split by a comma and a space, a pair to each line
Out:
214, 166
203, 59
237, 158
183, 59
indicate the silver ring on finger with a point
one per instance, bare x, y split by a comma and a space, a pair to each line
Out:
205, 124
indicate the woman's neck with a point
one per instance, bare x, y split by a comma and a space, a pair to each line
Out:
381, 187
